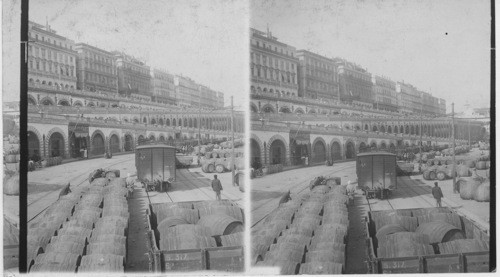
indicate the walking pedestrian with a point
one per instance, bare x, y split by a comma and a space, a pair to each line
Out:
217, 187
437, 193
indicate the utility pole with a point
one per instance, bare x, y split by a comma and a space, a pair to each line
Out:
421, 110
199, 117
453, 171
469, 133
232, 149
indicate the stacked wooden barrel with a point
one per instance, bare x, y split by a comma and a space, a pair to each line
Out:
197, 225
83, 231
305, 235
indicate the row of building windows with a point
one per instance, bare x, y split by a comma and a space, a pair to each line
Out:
320, 74
314, 62
273, 74
359, 76
273, 48
42, 38
100, 67
273, 62
52, 68
49, 83
136, 69
50, 55
320, 86
99, 58
97, 78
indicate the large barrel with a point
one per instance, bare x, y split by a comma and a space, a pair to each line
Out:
79, 223
102, 263
219, 168
298, 240
285, 252
100, 182
463, 171
297, 230
317, 268
65, 247
185, 229
64, 265
72, 238
463, 246
112, 238
220, 224
439, 231
450, 218
235, 239
481, 165
106, 248
120, 182
407, 222
117, 220
115, 211
87, 215
94, 200
232, 211
470, 163
387, 230
426, 175
482, 192
189, 215
108, 228
325, 256
402, 237
171, 222
59, 257
187, 241
77, 231
467, 186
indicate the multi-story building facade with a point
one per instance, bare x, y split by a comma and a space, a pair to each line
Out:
95, 69
52, 58
208, 97
317, 76
384, 90
430, 104
162, 86
355, 84
220, 99
273, 65
442, 106
133, 75
187, 91
408, 100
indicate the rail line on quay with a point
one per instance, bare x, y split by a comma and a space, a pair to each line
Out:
72, 186
299, 183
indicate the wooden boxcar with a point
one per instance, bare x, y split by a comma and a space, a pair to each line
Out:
474, 261
220, 258
376, 173
155, 163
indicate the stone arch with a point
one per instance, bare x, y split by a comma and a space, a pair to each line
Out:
277, 149
35, 142
179, 122
31, 100
407, 129
90, 104
144, 120
350, 149
47, 101
152, 137
190, 122
357, 126
318, 150
389, 129
366, 127
56, 142
336, 150
63, 102
160, 121
285, 109
383, 145
253, 108
256, 152
311, 111
153, 121
392, 147
382, 128
114, 142
97, 143
174, 122
362, 147
374, 128
161, 137
77, 103
128, 141
167, 122
412, 130
268, 108
373, 144
299, 111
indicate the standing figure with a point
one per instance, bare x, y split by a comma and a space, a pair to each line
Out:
217, 187
437, 193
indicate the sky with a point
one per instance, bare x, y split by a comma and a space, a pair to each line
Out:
204, 40
441, 47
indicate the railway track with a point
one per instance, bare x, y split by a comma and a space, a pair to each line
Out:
305, 183
52, 193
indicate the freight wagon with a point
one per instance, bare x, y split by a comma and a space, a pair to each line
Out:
426, 240
376, 173
195, 236
156, 165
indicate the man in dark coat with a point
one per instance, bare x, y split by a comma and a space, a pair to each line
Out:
217, 187
437, 193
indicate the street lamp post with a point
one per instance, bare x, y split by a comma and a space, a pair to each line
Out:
232, 135
453, 172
